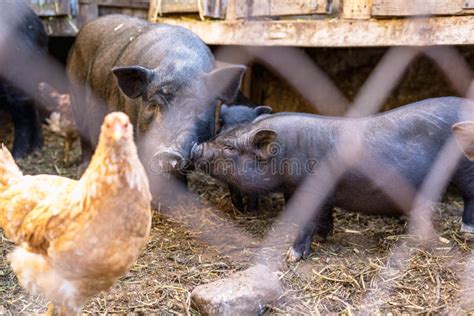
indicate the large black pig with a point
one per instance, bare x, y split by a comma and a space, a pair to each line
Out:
164, 77
22, 40
275, 154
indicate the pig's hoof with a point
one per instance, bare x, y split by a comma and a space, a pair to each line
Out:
294, 255
465, 228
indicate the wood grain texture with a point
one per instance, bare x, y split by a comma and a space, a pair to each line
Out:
457, 30
356, 9
157, 7
50, 7
255, 8
416, 7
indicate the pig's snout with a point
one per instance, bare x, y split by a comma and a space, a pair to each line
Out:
196, 151
169, 162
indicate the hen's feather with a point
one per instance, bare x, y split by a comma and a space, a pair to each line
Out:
76, 238
9, 171
31, 198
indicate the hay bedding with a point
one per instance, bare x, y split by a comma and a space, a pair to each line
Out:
367, 265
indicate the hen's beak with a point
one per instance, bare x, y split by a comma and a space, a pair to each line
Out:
117, 132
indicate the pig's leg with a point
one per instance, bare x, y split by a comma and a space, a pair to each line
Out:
86, 155
183, 179
236, 198
468, 215
28, 136
252, 203
37, 135
464, 180
321, 225
287, 196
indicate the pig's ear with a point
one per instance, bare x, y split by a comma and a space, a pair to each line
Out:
225, 82
464, 134
132, 80
264, 142
263, 109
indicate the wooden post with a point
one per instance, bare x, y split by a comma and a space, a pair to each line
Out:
356, 9
231, 10
247, 82
213, 8
50, 7
88, 10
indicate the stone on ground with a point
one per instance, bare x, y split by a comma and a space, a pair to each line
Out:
244, 293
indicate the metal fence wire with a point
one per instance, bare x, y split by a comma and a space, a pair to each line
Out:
379, 286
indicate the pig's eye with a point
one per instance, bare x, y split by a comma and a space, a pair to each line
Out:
229, 147
160, 101
152, 104
165, 92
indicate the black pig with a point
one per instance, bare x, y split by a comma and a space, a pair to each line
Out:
232, 116
277, 152
22, 39
464, 134
164, 77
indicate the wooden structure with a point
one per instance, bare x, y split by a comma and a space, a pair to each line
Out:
324, 23
65, 17
317, 23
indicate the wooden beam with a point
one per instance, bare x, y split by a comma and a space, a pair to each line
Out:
245, 8
231, 10
130, 4
60, 26
356, 9
213, 8
158, 7
457, 30
50, 7
87, 12
416, 7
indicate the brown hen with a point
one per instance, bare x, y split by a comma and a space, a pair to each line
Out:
61, 120
76, 238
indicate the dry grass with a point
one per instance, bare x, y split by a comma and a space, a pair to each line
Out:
367, 265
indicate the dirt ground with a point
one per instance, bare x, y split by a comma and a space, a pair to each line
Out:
368, 263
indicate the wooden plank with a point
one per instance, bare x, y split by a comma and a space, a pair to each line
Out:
457, 30
139, 13
130, 4
50, 7
133, 4
255, 8
110, 10
416, 7
356, 9
468, 4
213, 8
159, 7
60, 26
231, 10
87, 12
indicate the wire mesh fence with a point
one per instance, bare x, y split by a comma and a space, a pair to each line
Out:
386, 282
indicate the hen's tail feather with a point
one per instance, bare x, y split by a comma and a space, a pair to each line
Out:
8, 168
